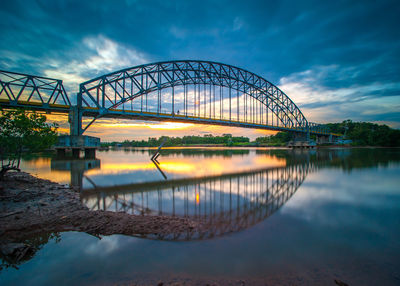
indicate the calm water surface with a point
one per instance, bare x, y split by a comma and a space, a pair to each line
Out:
305, 217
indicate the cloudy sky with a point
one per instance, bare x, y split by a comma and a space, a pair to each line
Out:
336, 60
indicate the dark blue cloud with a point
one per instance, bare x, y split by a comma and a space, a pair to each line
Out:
275, 39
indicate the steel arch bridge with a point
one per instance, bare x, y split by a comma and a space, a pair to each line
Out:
195, 92
190, 91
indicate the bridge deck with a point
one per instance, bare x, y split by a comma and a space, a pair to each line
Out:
153, 116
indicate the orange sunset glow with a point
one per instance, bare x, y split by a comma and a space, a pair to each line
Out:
120, 130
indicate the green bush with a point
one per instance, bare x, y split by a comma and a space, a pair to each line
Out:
23, 132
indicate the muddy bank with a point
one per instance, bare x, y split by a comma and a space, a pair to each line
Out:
31, 207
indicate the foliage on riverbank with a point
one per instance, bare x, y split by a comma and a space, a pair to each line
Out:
279, 139
225, 140
367, 134
361, 134
20, 132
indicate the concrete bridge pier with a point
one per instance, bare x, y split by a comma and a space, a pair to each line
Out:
301, 140
90, 153
324, 139
75, 121
76, 144
61, 152
76, 153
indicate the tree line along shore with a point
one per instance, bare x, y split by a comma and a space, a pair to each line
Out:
358, 133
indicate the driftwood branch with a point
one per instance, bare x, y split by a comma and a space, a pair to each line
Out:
7, 168
9, 214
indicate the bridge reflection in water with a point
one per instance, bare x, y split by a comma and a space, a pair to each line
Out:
221, 204
77, 167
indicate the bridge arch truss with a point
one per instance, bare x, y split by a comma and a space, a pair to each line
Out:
192, 91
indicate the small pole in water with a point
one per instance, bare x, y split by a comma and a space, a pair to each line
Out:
155, 162
155, 156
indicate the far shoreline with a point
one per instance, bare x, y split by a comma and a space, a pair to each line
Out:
240, 146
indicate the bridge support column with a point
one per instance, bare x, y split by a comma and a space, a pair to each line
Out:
75, 121
301, 140
76, 153
61, 152
76, 144
324, 139
90, 153
76, 141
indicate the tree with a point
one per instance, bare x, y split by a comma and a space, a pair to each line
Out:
365, 133
23, 132
279, 139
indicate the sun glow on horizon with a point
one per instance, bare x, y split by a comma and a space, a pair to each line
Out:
120, 130
170, 125
158, 126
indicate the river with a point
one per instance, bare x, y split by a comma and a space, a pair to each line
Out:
273, 215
